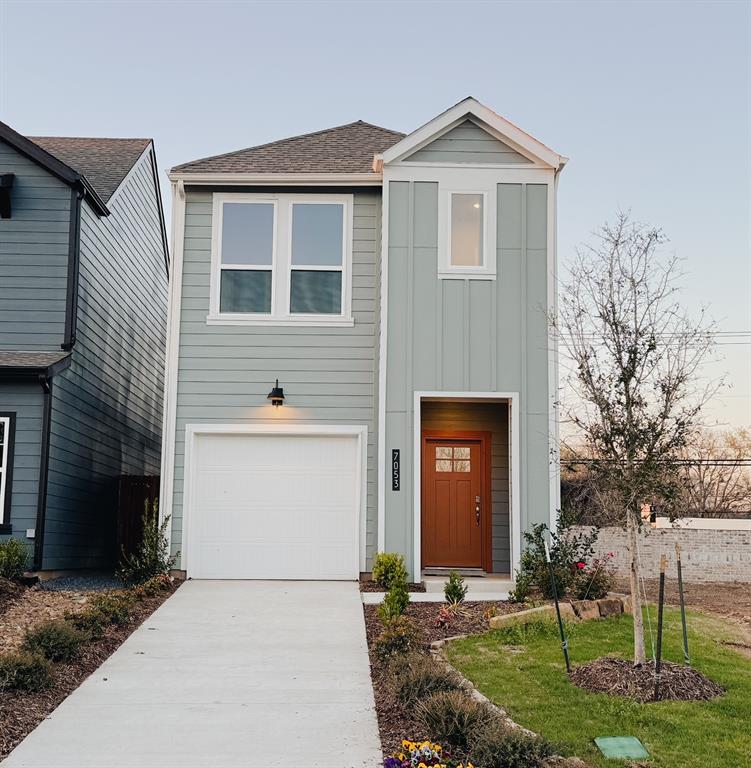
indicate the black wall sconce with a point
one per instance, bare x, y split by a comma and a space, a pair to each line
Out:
6, 185
276, 395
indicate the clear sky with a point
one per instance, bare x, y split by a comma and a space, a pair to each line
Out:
650, 100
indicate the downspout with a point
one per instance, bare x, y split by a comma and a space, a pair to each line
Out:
74, 244
46, 382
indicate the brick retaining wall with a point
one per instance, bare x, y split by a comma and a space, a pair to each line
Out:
707, 555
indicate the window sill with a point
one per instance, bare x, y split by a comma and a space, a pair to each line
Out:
459, 274
283, 322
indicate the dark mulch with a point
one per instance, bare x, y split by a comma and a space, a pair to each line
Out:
619, 677
20, 713
366, 585
9, 592
395, 722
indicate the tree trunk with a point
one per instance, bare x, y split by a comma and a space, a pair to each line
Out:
635, 574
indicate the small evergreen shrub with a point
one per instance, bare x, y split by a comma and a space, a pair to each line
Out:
592, 581
14, 558
417, 677
394, 603
25, 672
455, 590
453, 718
498, 746
114, 607
389, 569
400, 636
54, 640
152, 557
152, 587
91, 622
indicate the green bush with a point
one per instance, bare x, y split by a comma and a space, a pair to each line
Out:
593, 581
499, 746
417, 677
91, 622
14, 558
394, 603
55, 640
152, 557
400, 636
453, 718
389, 569
455, 590
25, 672
114, 607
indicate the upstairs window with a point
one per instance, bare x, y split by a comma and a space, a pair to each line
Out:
467, 230
281, 259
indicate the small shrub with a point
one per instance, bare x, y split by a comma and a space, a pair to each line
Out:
389, 569
114, 607
152, 587
25, 672
400, 636
593, 581
394, 603
500, 746
417, 677
455, 589
453, 718
445, 617
91, 622
14, 558
55, 640
522, 587
152, 557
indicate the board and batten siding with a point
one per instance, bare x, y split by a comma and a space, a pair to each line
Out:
329, 375
107, 407
467, 144
25, 399
467, 335
33, 256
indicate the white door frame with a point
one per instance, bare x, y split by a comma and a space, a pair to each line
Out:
274, 429
512, 398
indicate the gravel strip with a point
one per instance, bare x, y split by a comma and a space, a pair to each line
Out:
93, 582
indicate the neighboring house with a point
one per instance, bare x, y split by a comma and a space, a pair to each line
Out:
397, 287
83, 315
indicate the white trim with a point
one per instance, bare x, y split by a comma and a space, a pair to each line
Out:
446, 270
449, 176
281, 261
552, 306
382, 362
4, 467
505, 130
273, 428
172, 356
512, 398
280, 179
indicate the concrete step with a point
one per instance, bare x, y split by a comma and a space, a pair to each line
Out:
477, 584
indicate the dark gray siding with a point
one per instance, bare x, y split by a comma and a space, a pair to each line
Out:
26, 401
33, 256
107, 407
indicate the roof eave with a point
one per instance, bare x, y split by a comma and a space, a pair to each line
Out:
279, 179
34, 371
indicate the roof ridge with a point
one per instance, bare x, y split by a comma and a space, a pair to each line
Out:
94, 138
276, 142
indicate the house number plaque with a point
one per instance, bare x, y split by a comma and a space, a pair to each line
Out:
395, 483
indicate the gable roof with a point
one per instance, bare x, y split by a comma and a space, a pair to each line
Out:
104, 162
344, 149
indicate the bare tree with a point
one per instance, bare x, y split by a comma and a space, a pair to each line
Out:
634, 355
717, 481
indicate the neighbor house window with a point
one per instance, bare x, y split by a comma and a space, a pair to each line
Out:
281, 259
467, 230
7, 434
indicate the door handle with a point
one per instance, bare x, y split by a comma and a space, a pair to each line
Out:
477, 510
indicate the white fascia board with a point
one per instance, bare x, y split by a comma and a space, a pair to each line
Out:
281, 179
506, 131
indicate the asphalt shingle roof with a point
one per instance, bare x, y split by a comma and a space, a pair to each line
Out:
344, 149
104, 162
22, 359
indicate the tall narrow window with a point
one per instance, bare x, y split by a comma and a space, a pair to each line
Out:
7, 429
317, 258
247, 257
467, 238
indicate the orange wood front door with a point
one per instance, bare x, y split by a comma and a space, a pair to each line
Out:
452, 502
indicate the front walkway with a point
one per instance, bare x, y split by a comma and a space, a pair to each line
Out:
225, 673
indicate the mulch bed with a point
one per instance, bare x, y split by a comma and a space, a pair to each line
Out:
9, 593
366, 585
20, 712
394, 721
619, 677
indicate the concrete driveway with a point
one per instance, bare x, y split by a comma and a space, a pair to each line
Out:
225, 673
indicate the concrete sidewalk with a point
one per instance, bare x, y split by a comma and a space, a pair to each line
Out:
231, 673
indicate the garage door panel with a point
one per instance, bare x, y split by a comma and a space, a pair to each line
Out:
274, 507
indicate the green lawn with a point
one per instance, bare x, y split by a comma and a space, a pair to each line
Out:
524, 672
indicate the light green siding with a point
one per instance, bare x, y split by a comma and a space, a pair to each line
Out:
329, 375
468, 143
467, 335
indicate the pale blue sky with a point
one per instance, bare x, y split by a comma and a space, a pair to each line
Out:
651, 101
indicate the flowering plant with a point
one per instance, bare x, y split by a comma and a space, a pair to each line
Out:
593, 580
422, 754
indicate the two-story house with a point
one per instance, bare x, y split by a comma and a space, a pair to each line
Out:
358, 354
83, 316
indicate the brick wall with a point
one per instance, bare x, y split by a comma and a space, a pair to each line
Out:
706, 555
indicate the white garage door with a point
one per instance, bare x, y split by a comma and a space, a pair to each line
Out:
274, 507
